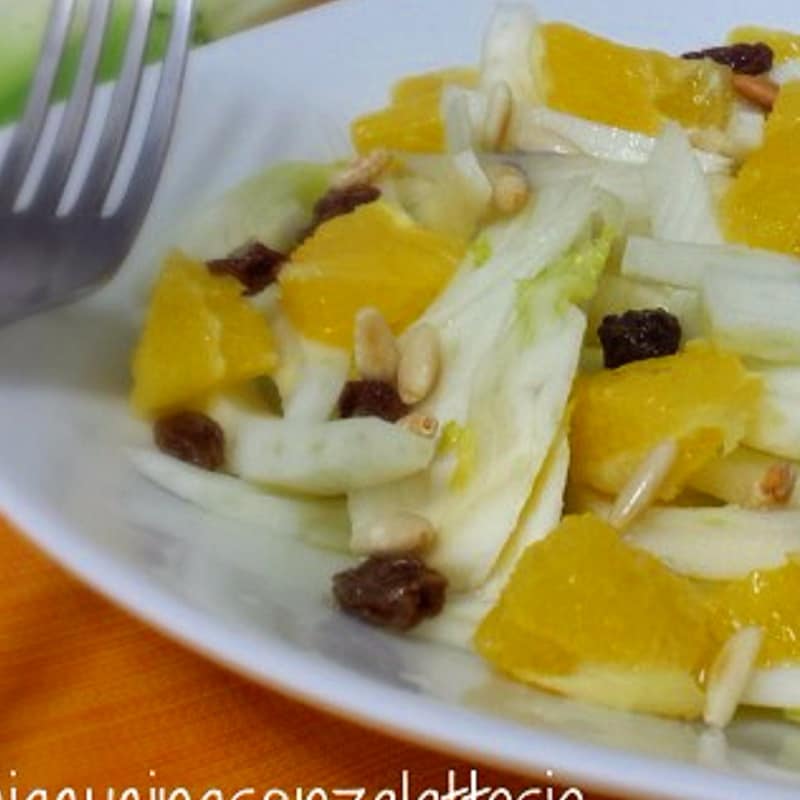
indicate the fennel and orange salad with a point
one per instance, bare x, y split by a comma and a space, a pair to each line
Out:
531, 356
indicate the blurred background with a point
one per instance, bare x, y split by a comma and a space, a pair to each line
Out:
24, 24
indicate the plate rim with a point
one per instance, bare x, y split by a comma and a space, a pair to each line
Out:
362, 700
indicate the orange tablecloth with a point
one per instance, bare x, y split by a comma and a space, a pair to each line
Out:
91, 697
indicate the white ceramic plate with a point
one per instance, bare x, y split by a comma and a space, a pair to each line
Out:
260, 605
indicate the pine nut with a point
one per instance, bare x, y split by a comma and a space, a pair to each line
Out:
510, 189
374, 346
729, 675
421, 424
640, 491
776, 486
499, 107
363, 169
757, 89
400, 532
420, 359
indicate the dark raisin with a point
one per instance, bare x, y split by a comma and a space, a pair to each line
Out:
391, 591
371, 399
254, 265
336, 202
192, 437
636, 335
746, 59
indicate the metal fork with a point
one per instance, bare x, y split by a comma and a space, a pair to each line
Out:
50, 255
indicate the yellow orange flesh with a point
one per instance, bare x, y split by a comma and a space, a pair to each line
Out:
701, 397
587, 615
200, 336
410, 89
412, 122
762, 206
375, 256
629, 87
767, 598
583, 603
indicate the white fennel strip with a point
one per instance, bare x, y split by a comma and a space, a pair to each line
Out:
327, 458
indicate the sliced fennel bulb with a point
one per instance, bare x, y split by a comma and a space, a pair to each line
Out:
513, 411
572, 278
776, 427
519, 248
273, 207
476, 307
681, 205
537, 129
754, 316
449, 193
462, 614
532, 124
774, 687
592, 138
618, 178
503, 381
784, 381
460, 129
725, 543
707, 543
274, 513
511, 443
310, 375
320, 378
687, 263
326, 458
507, 51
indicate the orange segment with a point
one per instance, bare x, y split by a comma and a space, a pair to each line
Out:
413, 121
375, 256
702, 397
762, 206
585, 75
784, 45
767, 598
628, 87
698, 94
785, 117
410, 89
200, 335
588, 615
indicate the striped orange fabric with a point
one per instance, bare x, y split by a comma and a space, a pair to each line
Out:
90, 697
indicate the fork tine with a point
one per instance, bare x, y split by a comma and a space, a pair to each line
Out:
73, 122
150, 160
119, 115
29, 131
